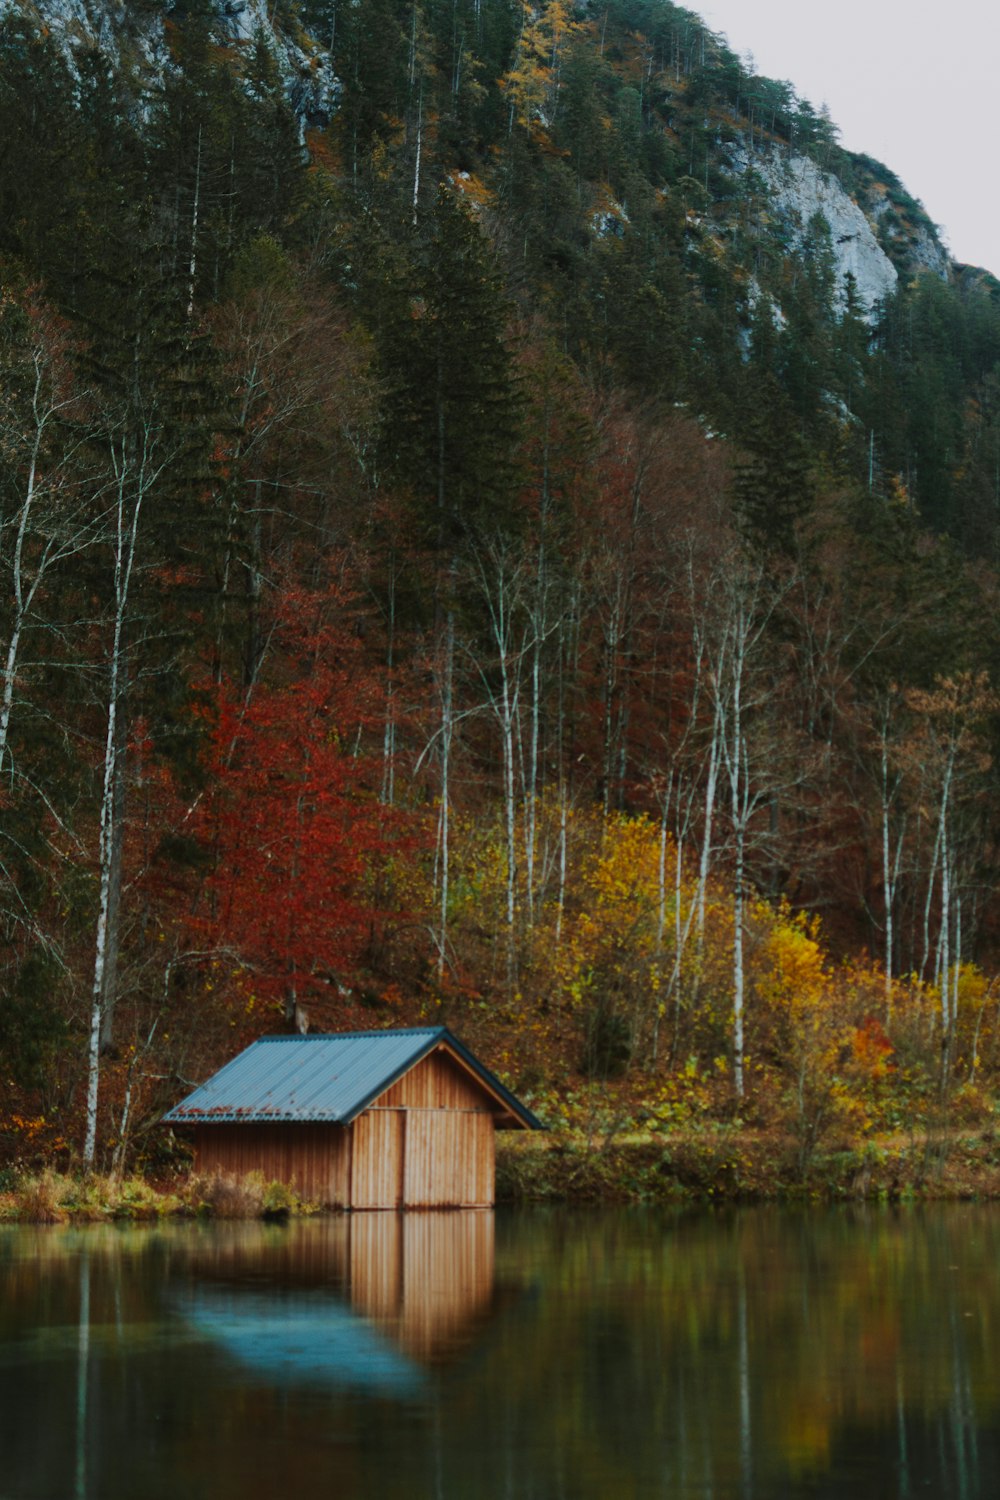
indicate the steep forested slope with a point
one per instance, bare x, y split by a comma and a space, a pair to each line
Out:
499, 518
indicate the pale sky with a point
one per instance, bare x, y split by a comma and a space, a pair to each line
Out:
914, 86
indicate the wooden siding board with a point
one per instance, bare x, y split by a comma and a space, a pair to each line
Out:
312, 1159
449, 1160
437, 1082
377, 1159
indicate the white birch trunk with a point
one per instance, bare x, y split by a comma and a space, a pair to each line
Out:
416, 165
563, 820
943, 959
887, 883
738, 793
944, 943
929, 902
510, 802
22, 602
447, 727
661, 874
126, 532
956, 965
531, 791
389, 734
25, 584
195, 208
711, 787
887, 889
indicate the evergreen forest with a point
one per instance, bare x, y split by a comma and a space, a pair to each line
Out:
470, 555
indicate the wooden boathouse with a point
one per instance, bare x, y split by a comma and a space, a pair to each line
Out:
361, 1120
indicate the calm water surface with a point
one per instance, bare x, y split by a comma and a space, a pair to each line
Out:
536, 1356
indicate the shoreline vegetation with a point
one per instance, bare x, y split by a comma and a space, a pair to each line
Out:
724, 1165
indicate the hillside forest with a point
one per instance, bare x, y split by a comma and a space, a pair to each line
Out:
464, 559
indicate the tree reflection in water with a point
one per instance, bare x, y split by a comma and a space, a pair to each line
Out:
537, 1355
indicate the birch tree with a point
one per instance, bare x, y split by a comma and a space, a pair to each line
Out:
50, 502
440, 746
950, 747
137, 459
500, 578
893, 827
51, 496
751, 749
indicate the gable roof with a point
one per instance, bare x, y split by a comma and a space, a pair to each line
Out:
327, 1078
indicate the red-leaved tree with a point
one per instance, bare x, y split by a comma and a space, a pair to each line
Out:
304, 854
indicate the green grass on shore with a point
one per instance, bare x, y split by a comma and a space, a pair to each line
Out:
730, 1164
726, 1164
51, 1197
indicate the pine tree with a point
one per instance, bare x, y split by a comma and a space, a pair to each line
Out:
452, 410
42, 149
773, 483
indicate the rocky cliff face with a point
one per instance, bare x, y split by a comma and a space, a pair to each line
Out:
875, 235
797, 191
912, 244
136, 37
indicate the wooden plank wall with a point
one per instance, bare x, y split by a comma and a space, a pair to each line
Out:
377, 1159
436, 1083
449, 1159
439, 1152
312, 1159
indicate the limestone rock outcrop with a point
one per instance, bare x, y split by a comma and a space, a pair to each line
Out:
797, 190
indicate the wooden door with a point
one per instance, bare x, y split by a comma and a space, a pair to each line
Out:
377, 1159
448, 1159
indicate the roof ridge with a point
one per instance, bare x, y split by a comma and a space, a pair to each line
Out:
332, 1036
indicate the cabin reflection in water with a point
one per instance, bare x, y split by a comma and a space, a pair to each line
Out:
426, 1277
369, 1303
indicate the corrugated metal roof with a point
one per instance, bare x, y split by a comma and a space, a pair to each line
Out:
323, 1078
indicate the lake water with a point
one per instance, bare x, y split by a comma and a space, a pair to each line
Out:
532, 1355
